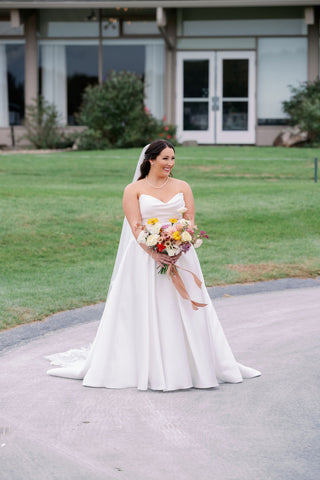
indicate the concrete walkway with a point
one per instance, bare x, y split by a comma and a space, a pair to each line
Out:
266, 428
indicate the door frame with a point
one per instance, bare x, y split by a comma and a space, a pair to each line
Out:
201, 136
214, 134
237, 136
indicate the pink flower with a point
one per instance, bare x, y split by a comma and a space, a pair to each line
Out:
170, 230
166, 128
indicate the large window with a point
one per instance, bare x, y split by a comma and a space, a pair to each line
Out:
74, 46
281, 62
11, 83
124, 57
82, 70
69, 66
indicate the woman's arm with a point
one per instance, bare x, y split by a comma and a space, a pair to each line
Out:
189, 202
131, 208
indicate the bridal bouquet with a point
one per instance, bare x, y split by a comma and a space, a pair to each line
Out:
171, 238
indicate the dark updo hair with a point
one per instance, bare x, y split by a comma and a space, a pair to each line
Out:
154, 149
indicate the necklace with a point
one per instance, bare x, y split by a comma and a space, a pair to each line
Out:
165, 183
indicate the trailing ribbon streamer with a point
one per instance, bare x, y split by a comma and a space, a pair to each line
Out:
178, 283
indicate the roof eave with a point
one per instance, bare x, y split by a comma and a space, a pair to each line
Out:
153, 3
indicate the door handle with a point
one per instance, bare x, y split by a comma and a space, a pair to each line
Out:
214, 104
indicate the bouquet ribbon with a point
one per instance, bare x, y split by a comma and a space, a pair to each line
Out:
180, 286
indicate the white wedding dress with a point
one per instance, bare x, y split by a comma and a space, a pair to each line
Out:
150, 337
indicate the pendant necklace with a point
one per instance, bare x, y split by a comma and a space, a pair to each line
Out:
165, 183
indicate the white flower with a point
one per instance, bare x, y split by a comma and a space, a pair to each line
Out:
197, 243
173, 251
152, 240
142, 237
184, 222
186, 237
154, 229
182, 210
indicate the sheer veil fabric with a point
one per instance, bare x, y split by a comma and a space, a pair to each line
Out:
126, 230
148, 336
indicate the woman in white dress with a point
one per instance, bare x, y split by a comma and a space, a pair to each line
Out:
149, 336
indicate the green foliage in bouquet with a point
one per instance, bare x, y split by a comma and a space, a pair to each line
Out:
303, 109
115, 115
43, 126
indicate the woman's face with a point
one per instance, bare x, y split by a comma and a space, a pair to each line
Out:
164, 162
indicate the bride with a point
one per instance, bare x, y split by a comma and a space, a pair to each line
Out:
149, 336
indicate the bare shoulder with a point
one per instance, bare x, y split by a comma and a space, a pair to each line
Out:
182, 185
131, 189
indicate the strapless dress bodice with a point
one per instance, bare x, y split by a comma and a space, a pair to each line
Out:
151, 207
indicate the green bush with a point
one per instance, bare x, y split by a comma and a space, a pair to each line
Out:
115, 115
303, 108
42, 125
167, 131
92, 140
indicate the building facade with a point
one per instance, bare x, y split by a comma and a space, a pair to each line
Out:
219, 70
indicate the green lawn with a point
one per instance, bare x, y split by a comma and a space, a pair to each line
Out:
61, 217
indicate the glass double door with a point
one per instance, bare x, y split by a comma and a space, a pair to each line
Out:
216, 97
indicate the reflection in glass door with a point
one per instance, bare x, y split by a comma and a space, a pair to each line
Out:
195, 93
216, 97
235, 119
195, 86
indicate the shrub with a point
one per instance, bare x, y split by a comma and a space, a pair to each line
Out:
115, 115
42, 125
303, 108
91, 140
167, 131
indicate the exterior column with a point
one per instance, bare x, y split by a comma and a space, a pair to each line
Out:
170, 70
313, 48
31, 59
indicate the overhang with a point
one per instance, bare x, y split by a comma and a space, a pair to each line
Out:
22, 4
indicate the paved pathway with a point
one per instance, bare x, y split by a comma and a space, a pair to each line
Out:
26, 333
266, 428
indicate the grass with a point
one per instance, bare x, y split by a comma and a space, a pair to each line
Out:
61, 216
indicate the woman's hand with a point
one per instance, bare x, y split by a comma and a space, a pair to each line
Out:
164, 259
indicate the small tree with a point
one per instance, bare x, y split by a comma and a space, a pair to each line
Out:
42, 125
303, 108
115, 115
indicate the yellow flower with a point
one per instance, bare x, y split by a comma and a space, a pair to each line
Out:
173, 220
152, 221
176, 236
